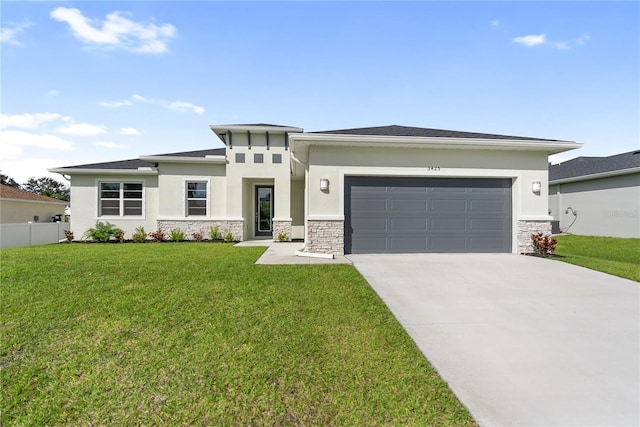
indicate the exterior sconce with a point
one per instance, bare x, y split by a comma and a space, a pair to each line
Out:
536, 187
324, 185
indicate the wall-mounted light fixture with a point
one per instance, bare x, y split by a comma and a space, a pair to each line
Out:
324, 184
536, 187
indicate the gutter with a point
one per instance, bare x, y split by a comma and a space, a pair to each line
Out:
595, 176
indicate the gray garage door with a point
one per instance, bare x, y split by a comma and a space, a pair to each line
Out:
386, 215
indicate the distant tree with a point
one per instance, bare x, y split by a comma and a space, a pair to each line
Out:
7, 180
46, 186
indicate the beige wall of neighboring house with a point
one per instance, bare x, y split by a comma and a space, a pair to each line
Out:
16, 211
607, 206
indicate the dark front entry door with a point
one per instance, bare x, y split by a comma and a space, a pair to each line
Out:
264, 210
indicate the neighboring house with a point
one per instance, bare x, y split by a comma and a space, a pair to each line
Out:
597, 196
367, 190
18, 206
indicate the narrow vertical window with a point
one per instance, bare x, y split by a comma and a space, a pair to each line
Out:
196, 198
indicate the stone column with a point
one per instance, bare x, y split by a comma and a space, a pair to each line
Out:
528, 227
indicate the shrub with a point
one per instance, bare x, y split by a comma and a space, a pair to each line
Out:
158, 236
228, 238
543, 245
139, 236
102, 232
197, 236
68, 234
176, 235
214, 233
282, 237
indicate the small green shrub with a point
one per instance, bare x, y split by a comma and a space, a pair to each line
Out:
228, 238
197, 236
543, 245
282, 237
158, 236
68, 234
139, 236
214, 233
176, 235
102, 232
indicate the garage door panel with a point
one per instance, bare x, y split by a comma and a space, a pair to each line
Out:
487, 206
403, 205
408, 224
385, 214
444, 205
408, 244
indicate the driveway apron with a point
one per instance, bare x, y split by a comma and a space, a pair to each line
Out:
522, 341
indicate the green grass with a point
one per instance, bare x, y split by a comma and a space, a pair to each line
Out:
196, 334
612, 255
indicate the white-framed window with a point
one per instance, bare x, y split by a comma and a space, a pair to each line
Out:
120, 199
197, 198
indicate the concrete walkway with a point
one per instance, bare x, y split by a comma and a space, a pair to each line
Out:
522, 341
279, 253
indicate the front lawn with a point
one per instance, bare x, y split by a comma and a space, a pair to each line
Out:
612, 255
196, 334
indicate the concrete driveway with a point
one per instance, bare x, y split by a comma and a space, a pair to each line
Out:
522, 341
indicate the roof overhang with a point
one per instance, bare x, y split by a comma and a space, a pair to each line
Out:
13, 199
221, 130
300, 143
183, 159
89, 171
595, 176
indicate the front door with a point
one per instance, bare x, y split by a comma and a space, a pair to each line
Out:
264, 210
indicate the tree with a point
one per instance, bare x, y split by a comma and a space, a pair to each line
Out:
46, 186
7, 180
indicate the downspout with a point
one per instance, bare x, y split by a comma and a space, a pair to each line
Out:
303, 252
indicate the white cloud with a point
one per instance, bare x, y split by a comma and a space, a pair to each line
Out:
24, 168
10, 32
54, 92
531, 40
109, 144
140, 98
186, 106
116, 31
495, 23
81, 129
13, 139
129, 131
114, 104
540, 39
26, 121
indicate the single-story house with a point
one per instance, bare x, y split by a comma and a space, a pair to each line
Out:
19, 206
597, 196
366, 190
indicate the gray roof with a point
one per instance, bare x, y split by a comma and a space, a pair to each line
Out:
137, 163
394, 130
582, 166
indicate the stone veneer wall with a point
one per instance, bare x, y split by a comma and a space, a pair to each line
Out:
526, 229
281, 227
190, 226
325, 237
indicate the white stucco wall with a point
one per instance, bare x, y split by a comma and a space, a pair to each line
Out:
334, 163
606, 207
84, 203
172, 179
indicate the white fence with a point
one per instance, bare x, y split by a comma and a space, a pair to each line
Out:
31, 233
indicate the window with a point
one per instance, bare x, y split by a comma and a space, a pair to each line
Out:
196, 198
239, 157
276, 158
258, 158
120, 199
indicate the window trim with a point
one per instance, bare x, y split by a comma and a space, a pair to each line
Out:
121, 198
207, 198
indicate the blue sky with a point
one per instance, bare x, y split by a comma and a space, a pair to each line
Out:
85, 82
